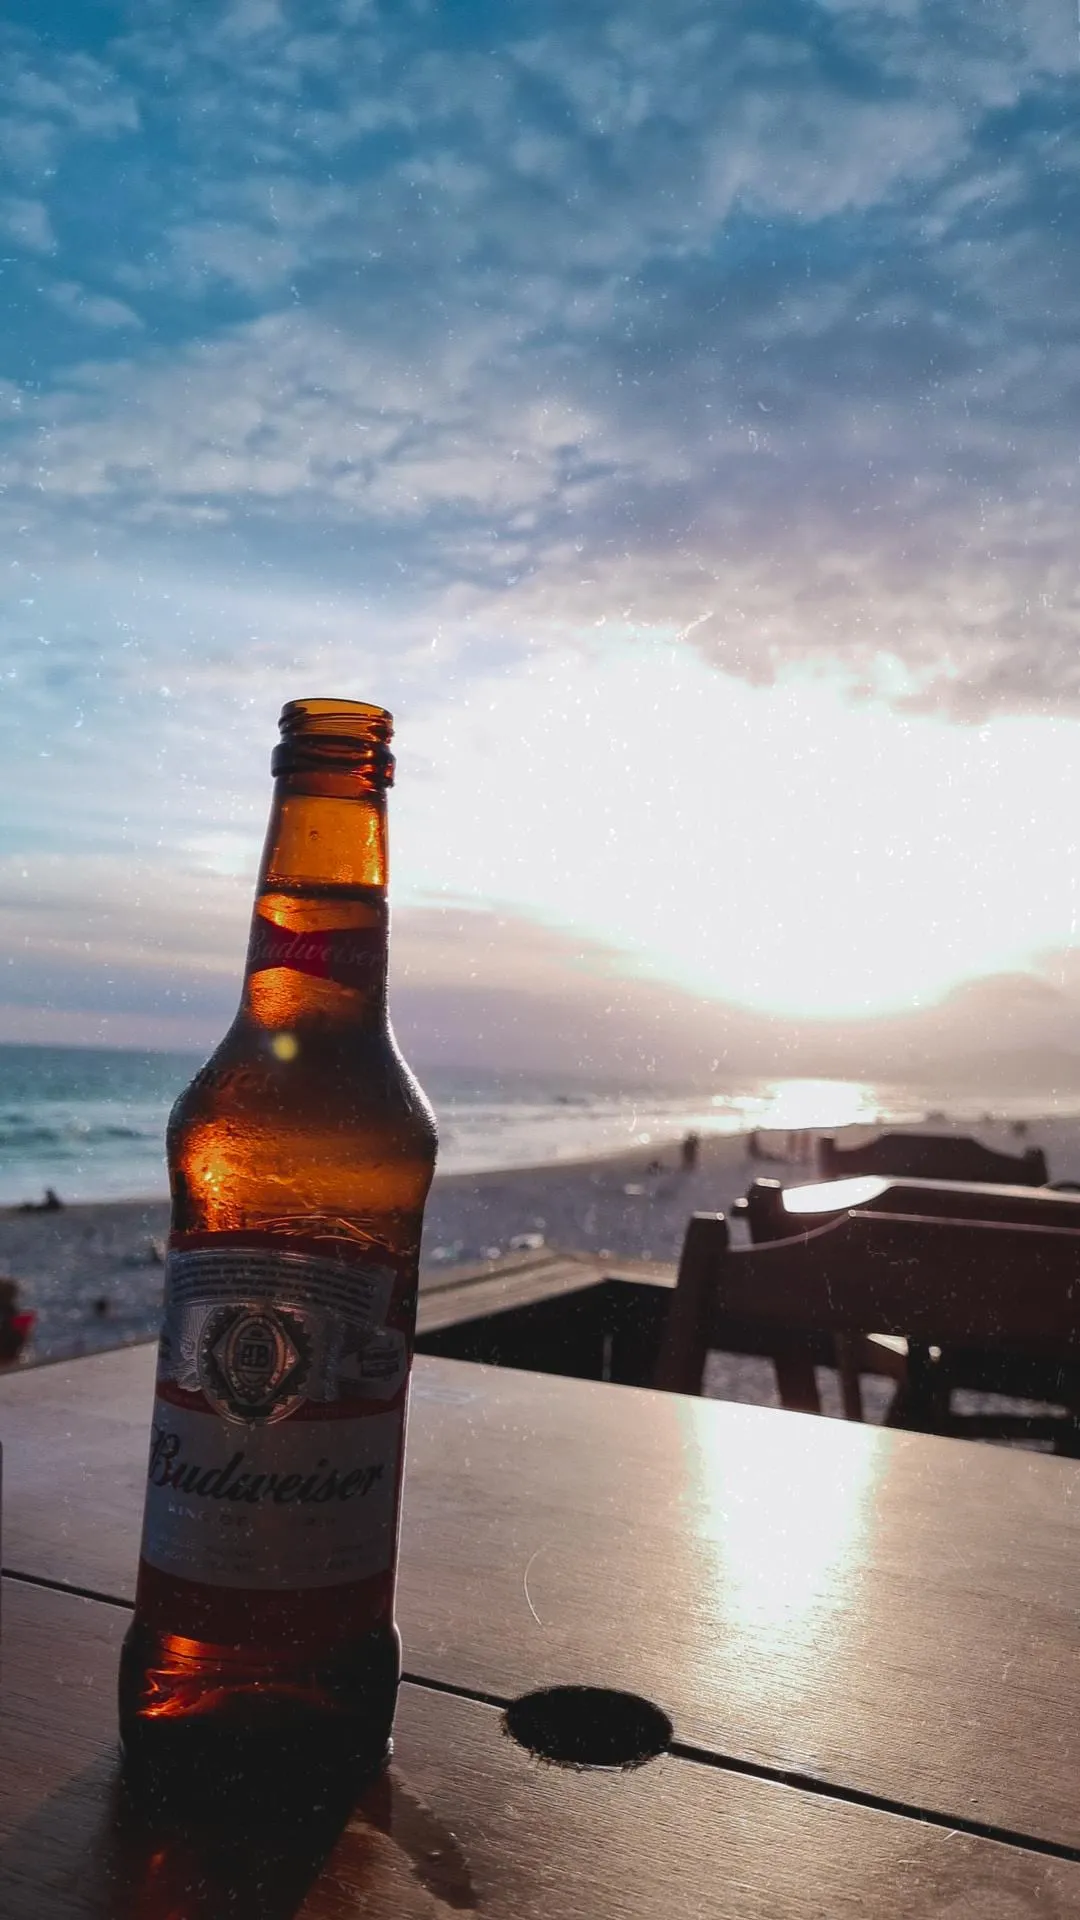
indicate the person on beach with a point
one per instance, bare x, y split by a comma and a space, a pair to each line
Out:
15, 1327
52, 1203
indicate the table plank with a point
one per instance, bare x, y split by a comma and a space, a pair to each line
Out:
465, 1822
883, 1611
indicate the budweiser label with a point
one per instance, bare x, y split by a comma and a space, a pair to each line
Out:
310, 1503
279, 1466
351, 956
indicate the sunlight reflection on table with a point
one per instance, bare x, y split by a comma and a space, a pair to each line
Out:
782, 1540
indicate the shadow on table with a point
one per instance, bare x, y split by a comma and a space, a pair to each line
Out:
89, 1852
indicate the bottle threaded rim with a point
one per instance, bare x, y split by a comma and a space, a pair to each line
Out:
345, 736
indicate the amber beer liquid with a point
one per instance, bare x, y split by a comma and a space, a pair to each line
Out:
299, 1158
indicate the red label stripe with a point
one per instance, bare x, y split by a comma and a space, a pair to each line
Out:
351, 956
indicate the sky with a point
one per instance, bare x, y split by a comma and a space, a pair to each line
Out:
670, 411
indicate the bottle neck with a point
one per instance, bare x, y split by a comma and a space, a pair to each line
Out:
318, 945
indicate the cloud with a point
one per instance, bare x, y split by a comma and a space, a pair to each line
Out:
620, 788
775, 350
26, 222
814, 521
345, 344
100, 310
492, 990
286, 410
69, 92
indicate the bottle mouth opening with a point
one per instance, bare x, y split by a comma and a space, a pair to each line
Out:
336, 736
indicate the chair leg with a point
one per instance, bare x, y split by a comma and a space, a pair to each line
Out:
796, 1381
847, 1367
922, 1402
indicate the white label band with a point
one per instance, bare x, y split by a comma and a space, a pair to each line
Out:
296, 1503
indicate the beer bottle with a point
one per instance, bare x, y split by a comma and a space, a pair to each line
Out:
299, 1159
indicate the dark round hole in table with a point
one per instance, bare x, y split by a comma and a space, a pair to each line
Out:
588, 1727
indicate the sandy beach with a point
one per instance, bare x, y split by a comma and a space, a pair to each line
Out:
93, 1272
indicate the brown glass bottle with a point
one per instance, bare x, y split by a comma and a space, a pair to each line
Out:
300, 1158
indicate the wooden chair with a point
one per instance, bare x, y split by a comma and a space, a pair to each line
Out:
988, 1288
775, 1212
931, 1156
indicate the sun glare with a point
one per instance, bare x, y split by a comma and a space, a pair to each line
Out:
780, 847
793, 1104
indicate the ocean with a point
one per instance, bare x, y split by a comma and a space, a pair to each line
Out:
90, 1122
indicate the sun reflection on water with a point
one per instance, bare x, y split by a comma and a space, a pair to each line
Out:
792, 1104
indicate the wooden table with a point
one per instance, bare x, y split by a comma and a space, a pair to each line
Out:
866, 1641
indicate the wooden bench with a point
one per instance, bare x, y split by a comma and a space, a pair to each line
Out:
569, 1313
932, 1156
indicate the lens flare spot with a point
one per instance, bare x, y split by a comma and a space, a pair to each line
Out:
285, 1046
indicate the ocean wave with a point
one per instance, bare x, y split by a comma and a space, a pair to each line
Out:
92, 1125
19, 1132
